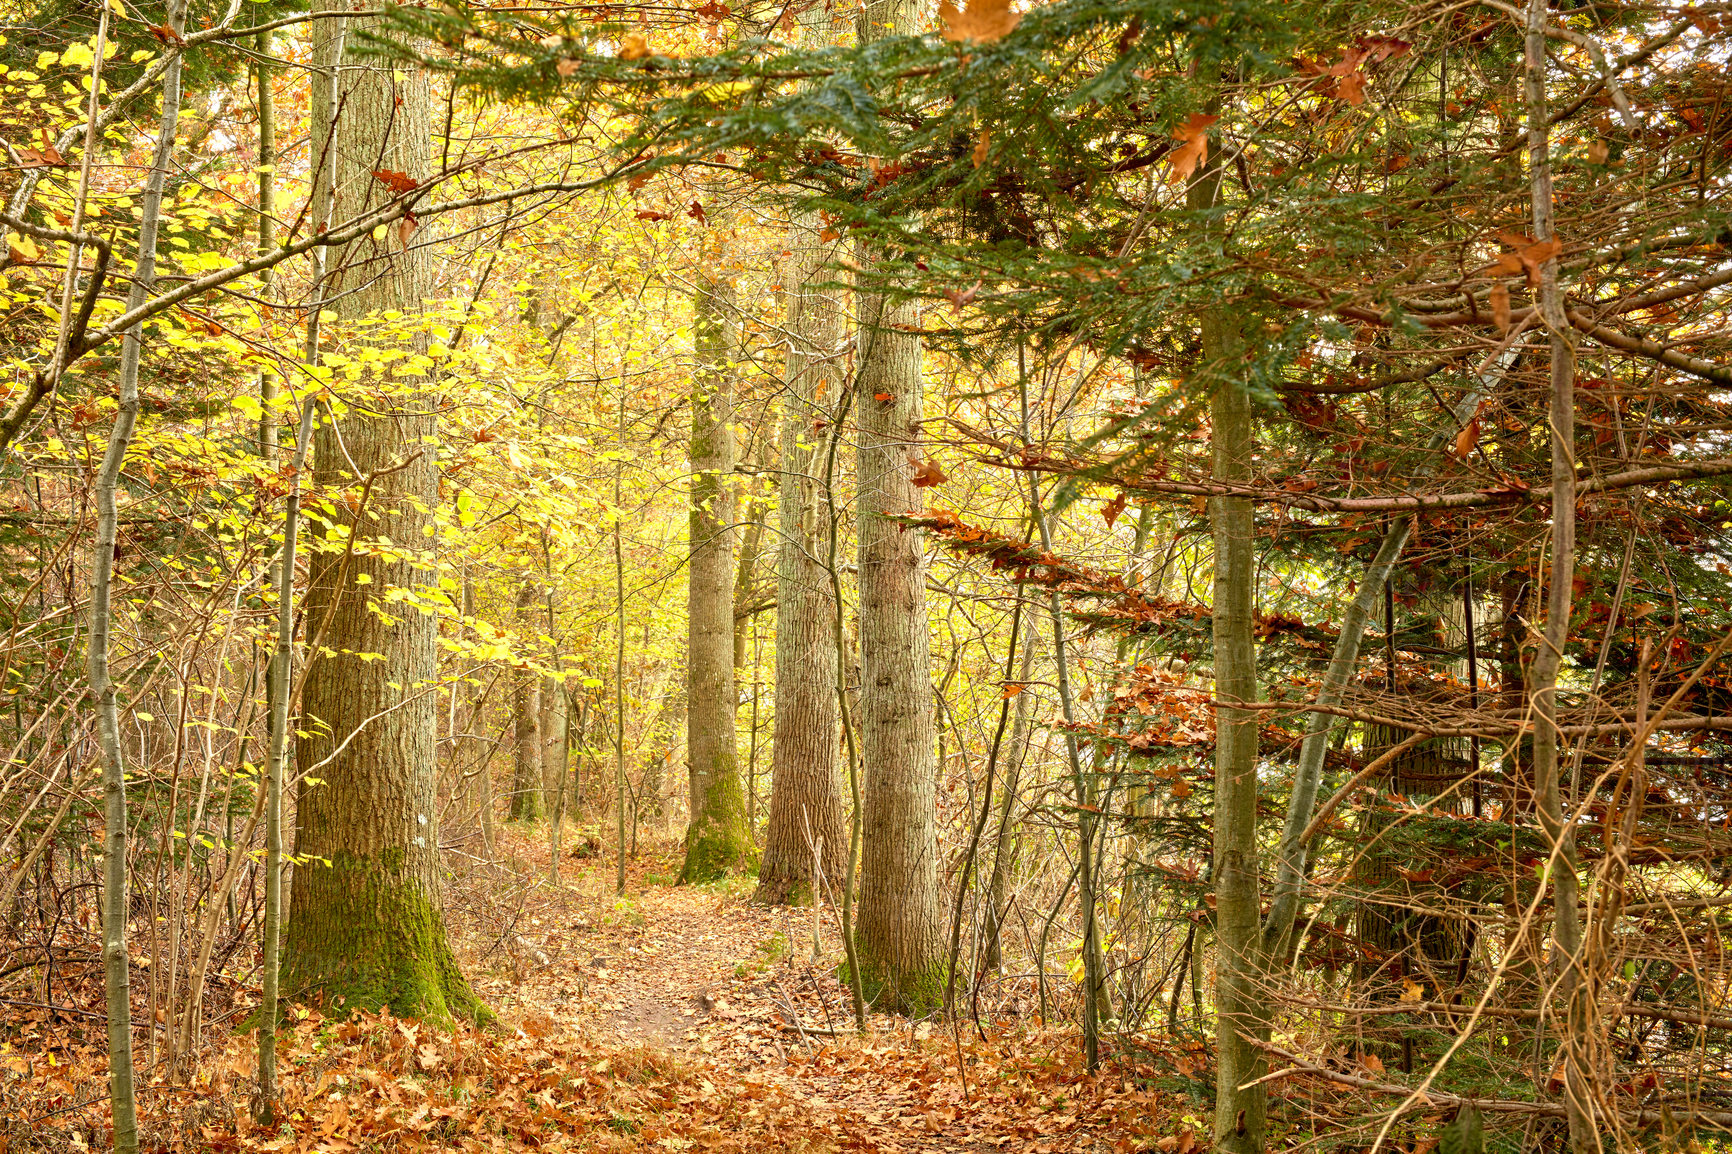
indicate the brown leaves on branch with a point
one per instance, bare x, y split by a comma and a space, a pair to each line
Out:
1193, 138
927, 473
982, 22
397, 182
1526, 256
45, 157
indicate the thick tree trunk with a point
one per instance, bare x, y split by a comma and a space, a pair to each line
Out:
365, 924
806, 786
901, 945
526, 763
717, 841
1239, 1001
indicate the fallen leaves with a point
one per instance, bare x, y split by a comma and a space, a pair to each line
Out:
981, 22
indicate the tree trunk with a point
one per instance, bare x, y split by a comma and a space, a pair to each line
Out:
1004, 850
717, 841
806, 786
1580, 1092
1240, 1004
526, 765
116, 906
366, 928
901, 943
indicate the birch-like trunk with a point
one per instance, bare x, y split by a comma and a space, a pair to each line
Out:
526, 764
116, 962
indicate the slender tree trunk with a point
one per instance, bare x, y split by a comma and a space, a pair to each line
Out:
367, 929
717, 841
806, 786
116, 962
1004, 849
526, 771
1573, 990
1239, 971
484, 766
901, 934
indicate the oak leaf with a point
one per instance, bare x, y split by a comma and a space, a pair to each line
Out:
927, 473
982, 22
1111, 510
398, 182
1193, 138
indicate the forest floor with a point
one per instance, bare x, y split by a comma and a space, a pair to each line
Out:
674, 1018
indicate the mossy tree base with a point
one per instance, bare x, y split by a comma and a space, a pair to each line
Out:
718, 843
916, 994
367, 937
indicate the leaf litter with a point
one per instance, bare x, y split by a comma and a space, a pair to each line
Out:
678, 1018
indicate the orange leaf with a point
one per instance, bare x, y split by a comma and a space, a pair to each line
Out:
884, 398
1111, 510
927, 474
406, 228
1012, 688
398, 182
1181, 788
982, 22
1500, 306
632, 46
1193, 148
1351, 88
980, 147
1466, 439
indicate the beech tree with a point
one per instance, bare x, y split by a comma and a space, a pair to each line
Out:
717, 841
365, 924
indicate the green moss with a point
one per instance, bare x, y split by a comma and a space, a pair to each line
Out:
363, 935
718, 842
917, 993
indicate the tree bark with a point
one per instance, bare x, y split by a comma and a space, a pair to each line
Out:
1573, 989
717, 841
366, 928
526, 764
806, 785
901, 935
1004, 848
116, 960
1241, 1008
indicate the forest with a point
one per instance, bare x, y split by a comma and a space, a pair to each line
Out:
1081, 575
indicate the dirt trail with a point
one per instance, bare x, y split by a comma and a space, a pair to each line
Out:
732, 993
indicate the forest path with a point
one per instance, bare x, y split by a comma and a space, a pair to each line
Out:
732, 994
